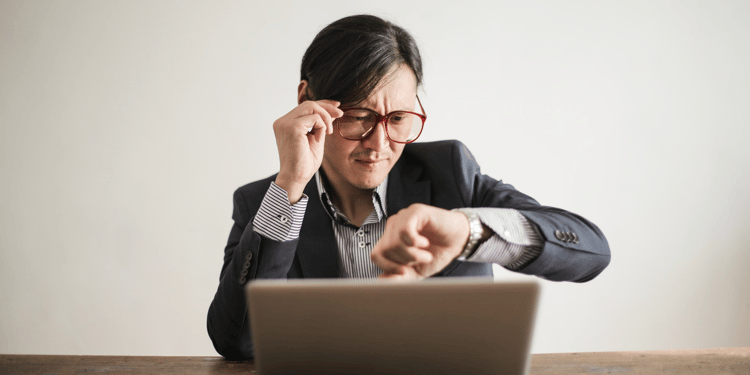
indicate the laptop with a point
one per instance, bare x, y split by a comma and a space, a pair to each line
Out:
436, 326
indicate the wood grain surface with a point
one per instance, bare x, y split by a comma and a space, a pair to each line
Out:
734, 361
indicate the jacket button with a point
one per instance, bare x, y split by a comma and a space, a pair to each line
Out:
248, 256
242, 280
559, 235
575, 238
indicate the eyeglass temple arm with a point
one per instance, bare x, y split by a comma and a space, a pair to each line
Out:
420, 106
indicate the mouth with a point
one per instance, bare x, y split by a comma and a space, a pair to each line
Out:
369, 162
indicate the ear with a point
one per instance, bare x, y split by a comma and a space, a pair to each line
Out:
302, 92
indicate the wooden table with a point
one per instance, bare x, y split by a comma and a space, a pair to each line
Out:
735, 361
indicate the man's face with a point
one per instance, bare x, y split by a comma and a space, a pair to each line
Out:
364, 164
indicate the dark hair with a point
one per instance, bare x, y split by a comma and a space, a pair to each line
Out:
348, 58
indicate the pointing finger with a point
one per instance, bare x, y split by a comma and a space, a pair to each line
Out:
332, 107
385, 263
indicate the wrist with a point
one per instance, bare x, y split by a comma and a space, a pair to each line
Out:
294, 190
478, 233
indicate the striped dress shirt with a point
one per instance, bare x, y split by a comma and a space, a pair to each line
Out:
515, 242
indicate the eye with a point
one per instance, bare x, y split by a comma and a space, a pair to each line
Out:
398, 117
357, 115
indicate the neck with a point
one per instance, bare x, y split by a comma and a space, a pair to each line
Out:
355, 203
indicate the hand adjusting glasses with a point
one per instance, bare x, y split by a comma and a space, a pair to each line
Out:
400, 126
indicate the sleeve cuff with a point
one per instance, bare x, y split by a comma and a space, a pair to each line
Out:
277, 219
515, 242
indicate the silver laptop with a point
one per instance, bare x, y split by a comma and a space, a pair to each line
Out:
437, 326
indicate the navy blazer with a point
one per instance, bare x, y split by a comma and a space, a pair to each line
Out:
441, 174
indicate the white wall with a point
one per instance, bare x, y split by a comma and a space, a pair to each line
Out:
125, 126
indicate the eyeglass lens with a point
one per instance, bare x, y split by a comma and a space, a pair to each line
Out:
357, 124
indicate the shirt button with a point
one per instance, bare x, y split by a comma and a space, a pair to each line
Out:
362, 245
361, 233
283, 219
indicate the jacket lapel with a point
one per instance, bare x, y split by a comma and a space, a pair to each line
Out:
406, 185
317, 250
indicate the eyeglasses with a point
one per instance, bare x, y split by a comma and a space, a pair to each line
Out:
400, 126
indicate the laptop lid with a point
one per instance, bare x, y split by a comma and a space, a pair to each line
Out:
437, 326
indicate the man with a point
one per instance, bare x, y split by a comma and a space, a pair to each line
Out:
355, 198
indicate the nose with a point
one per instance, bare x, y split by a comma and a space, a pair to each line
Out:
378, 138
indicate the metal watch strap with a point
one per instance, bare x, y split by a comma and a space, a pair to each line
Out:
475, 233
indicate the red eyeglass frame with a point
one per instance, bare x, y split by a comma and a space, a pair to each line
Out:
384, 119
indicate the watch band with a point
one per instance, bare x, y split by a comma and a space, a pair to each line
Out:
475, 233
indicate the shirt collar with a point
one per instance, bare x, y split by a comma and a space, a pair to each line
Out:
378, 198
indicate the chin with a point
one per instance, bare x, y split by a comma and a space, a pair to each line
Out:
369, 183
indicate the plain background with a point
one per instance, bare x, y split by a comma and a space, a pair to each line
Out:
125, 126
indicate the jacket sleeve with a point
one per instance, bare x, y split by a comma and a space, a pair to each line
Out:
574, 249
247, 256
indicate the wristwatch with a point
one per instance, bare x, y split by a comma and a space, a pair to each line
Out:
475, 233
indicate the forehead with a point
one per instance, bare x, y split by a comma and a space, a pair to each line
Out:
397, 90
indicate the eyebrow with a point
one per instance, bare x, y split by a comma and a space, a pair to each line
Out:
370, 109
